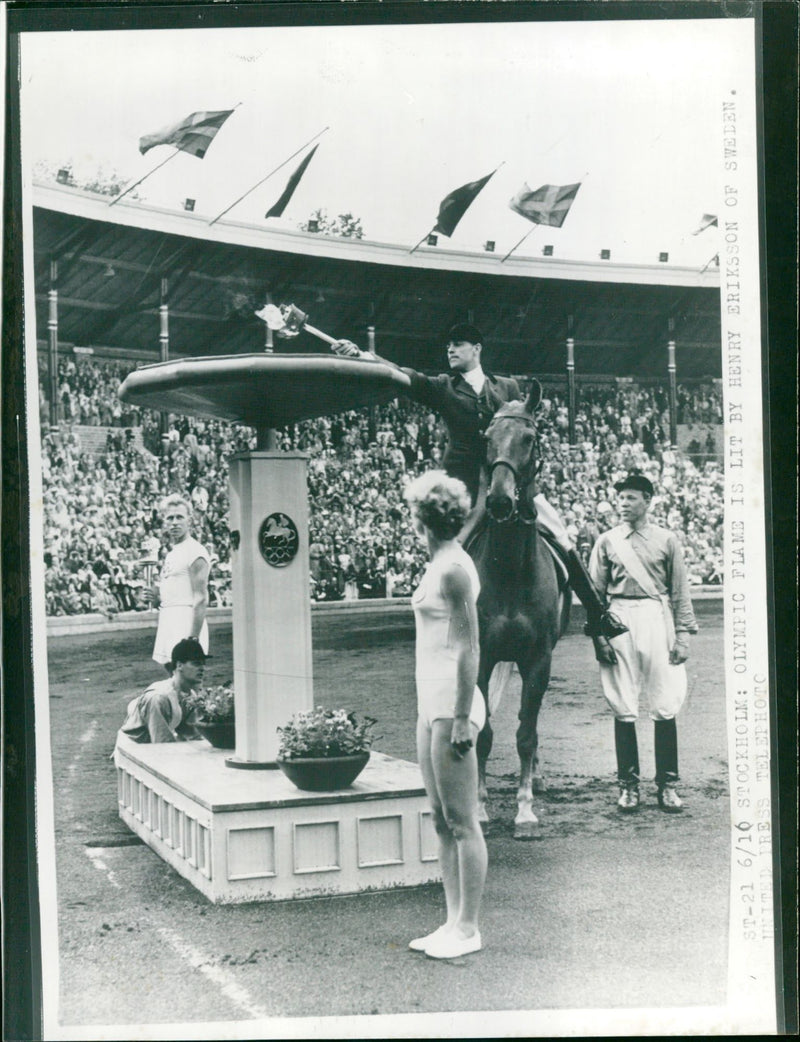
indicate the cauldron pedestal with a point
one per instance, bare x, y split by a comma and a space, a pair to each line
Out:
272, 668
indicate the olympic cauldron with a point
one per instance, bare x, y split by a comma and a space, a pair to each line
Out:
268, 511
249, 835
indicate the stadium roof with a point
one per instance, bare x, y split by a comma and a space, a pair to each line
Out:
111, 261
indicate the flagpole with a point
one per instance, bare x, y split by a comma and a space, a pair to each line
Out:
263, 179
424, 237
524, 237
117, 198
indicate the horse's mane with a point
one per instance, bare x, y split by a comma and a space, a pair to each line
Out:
511, 408
515, 408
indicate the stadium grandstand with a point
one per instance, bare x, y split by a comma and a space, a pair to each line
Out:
629, 357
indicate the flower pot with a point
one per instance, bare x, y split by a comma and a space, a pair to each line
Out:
220, 733
324, 773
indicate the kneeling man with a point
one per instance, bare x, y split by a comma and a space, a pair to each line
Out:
161, 714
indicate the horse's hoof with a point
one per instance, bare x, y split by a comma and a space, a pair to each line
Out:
526, 824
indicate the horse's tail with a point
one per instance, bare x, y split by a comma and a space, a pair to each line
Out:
498, 682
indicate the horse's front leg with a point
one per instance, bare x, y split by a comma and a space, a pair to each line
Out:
484, 744
535, 678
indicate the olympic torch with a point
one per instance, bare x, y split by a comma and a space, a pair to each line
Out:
149, 560
287, 321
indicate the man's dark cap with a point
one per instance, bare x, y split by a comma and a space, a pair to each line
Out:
188, 650
637, 482
465, 331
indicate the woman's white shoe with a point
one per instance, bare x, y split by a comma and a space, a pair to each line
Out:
420, 944
452, 944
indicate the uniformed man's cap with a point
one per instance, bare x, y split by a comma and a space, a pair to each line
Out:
465, 331
188, 650
637, 482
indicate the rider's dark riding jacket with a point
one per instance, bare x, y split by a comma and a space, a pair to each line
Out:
466, 416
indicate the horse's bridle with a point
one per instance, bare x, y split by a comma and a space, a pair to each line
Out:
534, 455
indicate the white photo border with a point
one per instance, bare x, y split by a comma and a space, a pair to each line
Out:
750, 695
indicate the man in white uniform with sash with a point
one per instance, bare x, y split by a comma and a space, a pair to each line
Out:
639, 567
181, 594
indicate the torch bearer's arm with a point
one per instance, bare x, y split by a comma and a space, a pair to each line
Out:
287, 321
348, 349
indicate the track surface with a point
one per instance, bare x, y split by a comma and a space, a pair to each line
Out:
601, 911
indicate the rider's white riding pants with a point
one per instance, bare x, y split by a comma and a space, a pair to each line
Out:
549, 519
643, 668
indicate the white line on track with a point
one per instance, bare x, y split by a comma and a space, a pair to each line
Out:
228, 987
84, 739
96, 857
232, 991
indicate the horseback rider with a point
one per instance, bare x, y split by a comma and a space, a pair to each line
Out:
467, 398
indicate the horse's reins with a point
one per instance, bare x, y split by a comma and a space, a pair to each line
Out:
501, 460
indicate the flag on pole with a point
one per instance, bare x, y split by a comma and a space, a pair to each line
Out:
548, 204
454, 206
706, 221
277, 208
193, 134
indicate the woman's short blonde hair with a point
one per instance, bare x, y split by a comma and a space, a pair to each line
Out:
440, 502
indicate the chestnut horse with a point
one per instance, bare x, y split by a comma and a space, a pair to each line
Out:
522, 611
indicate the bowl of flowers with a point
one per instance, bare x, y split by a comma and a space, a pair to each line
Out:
324, 749
213, 714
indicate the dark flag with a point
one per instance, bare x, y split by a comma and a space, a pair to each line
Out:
455, 205
549, 204
193, 134
276, 210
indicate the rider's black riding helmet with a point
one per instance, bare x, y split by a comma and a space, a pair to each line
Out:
465, 331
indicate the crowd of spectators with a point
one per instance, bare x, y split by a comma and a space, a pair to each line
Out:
699, 404
87, 394
101, 509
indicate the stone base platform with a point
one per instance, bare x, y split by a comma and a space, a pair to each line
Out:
252, 836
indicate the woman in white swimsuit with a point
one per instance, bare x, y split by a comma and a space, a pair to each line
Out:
450, 707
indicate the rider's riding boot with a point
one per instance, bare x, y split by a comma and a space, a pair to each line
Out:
627, 750
599, 620
666, 750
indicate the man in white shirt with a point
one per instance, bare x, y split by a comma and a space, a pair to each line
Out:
181, 594
640, 568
